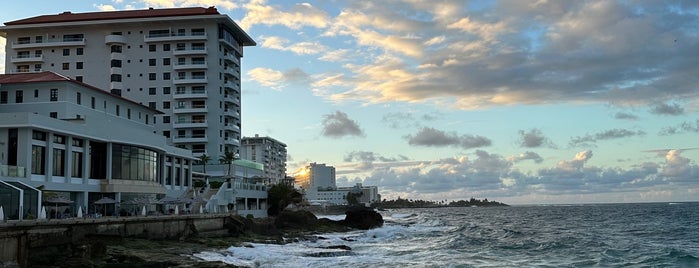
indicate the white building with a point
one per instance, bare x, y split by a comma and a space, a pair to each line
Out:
184, 62
318, 184
368, 194
66, 137
269, 152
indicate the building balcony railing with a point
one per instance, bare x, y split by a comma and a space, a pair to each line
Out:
189, 139
114, 39
231, 71
231, 112
188, 66
27, 58
189, 109
190, 51
231, 99
169, 37
230, 57
190, 94
231, 126
50, 43
190, 124
231, 141
12, 171
30, 70
231, 44
231, 85
190, 80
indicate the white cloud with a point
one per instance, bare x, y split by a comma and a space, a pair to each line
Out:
299, 16
219, 4
266, 77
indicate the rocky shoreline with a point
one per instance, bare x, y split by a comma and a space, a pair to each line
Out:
289, 226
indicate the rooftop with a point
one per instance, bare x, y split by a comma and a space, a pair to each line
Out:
110, 15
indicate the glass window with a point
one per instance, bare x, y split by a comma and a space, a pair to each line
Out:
59, 139
151, 76
38, 160
19, 96
166, 105
115, 78
166, 61
166, 90
3, 96
53, 94
79, 65
116, 49
66, 52
151, 91
166, 76
58, 162
166, 47
77, 165
66, 66
78, 98
151, 48
151, 62
79, 51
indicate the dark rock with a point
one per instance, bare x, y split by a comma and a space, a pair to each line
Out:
343, 247
296, 219
362, 218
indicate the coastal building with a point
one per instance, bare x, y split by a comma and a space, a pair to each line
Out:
269, 152
367, 194
242, 190
318, 184
184, 62
62, 137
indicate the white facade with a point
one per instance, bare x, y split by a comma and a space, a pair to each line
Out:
184, 62
267, 151
63, 136
316, 177
369, 194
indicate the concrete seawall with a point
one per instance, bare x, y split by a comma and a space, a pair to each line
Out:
19, 240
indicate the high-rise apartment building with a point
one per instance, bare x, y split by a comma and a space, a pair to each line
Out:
184, 62
267, 151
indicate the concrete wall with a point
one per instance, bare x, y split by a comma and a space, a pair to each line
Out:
18, 239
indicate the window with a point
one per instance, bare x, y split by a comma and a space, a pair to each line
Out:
198, 31
3, 96
166, 47
151, 48
73, 37
79, 78
166, 133
116, 63
23, 40
151, 76
151, 62
166, 76
79, 65
59, 139
128, 113
39, 39
66, 66
166, 105
38, 160
151, 104
37, 67
38, 135
58, 162
66, 52
77, 166
166, 61
166, 119
78, 98
92, 102
181, 61
19, 96
36, 93
181, 46
79, 51
115, 78
166, 90
151, 91
117, 110
116, 49
53, 114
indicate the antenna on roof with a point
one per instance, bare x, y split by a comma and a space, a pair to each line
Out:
66, 12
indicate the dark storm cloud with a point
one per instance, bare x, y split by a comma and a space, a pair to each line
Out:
338, 125
431, 137
590, 139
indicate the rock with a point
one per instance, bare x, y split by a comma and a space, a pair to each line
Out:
343, 247
362, 218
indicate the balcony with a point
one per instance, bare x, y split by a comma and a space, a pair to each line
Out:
190, 51
170, 37
190, 94
231, 99
114, 39
33, 70
189, 109
190, 80
231, 85
231, 71
27, 58
231, 44
230, 57
12, 171
231, 127
190, 139
50, 43
231, 112
190, 124
230, 141
189, 66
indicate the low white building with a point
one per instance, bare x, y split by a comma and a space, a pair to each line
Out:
319, 187
67, 138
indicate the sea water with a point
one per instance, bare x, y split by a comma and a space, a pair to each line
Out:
600, 235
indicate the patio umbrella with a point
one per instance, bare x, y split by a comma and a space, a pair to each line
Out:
201, 209
58, 200
104, 201
143, 211
42, 213
2, 214
80, 212
177, 209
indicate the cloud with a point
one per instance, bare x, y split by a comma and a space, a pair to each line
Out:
625, 116
223, 4
684, 127
299, 15
275, 79
338, 125
431, 137
336, 55
534, 138
102, 7
526, 156
617, 133
301, 48
667, 109
678, 167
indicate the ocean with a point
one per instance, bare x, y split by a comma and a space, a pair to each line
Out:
599, 235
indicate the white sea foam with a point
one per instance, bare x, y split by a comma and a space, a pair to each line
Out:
332, 217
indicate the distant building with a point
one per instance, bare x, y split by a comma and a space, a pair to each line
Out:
316, 177
61, 136
184, 62
319, 186
368, 194
267, 151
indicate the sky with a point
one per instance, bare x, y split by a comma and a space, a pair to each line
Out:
523, 102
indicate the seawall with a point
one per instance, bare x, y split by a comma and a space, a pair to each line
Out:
19, 241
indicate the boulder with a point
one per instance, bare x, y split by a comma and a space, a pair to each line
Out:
362, 218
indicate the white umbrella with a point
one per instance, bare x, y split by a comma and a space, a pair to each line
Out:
226, 209
143, 211
42, 214
201, 209
2, 214
80, 212
177, 209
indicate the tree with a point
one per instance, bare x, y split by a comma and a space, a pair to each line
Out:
227, 158
203, 160
353, 198
280, 196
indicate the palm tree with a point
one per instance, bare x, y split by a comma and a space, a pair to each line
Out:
204, 159
227, 158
